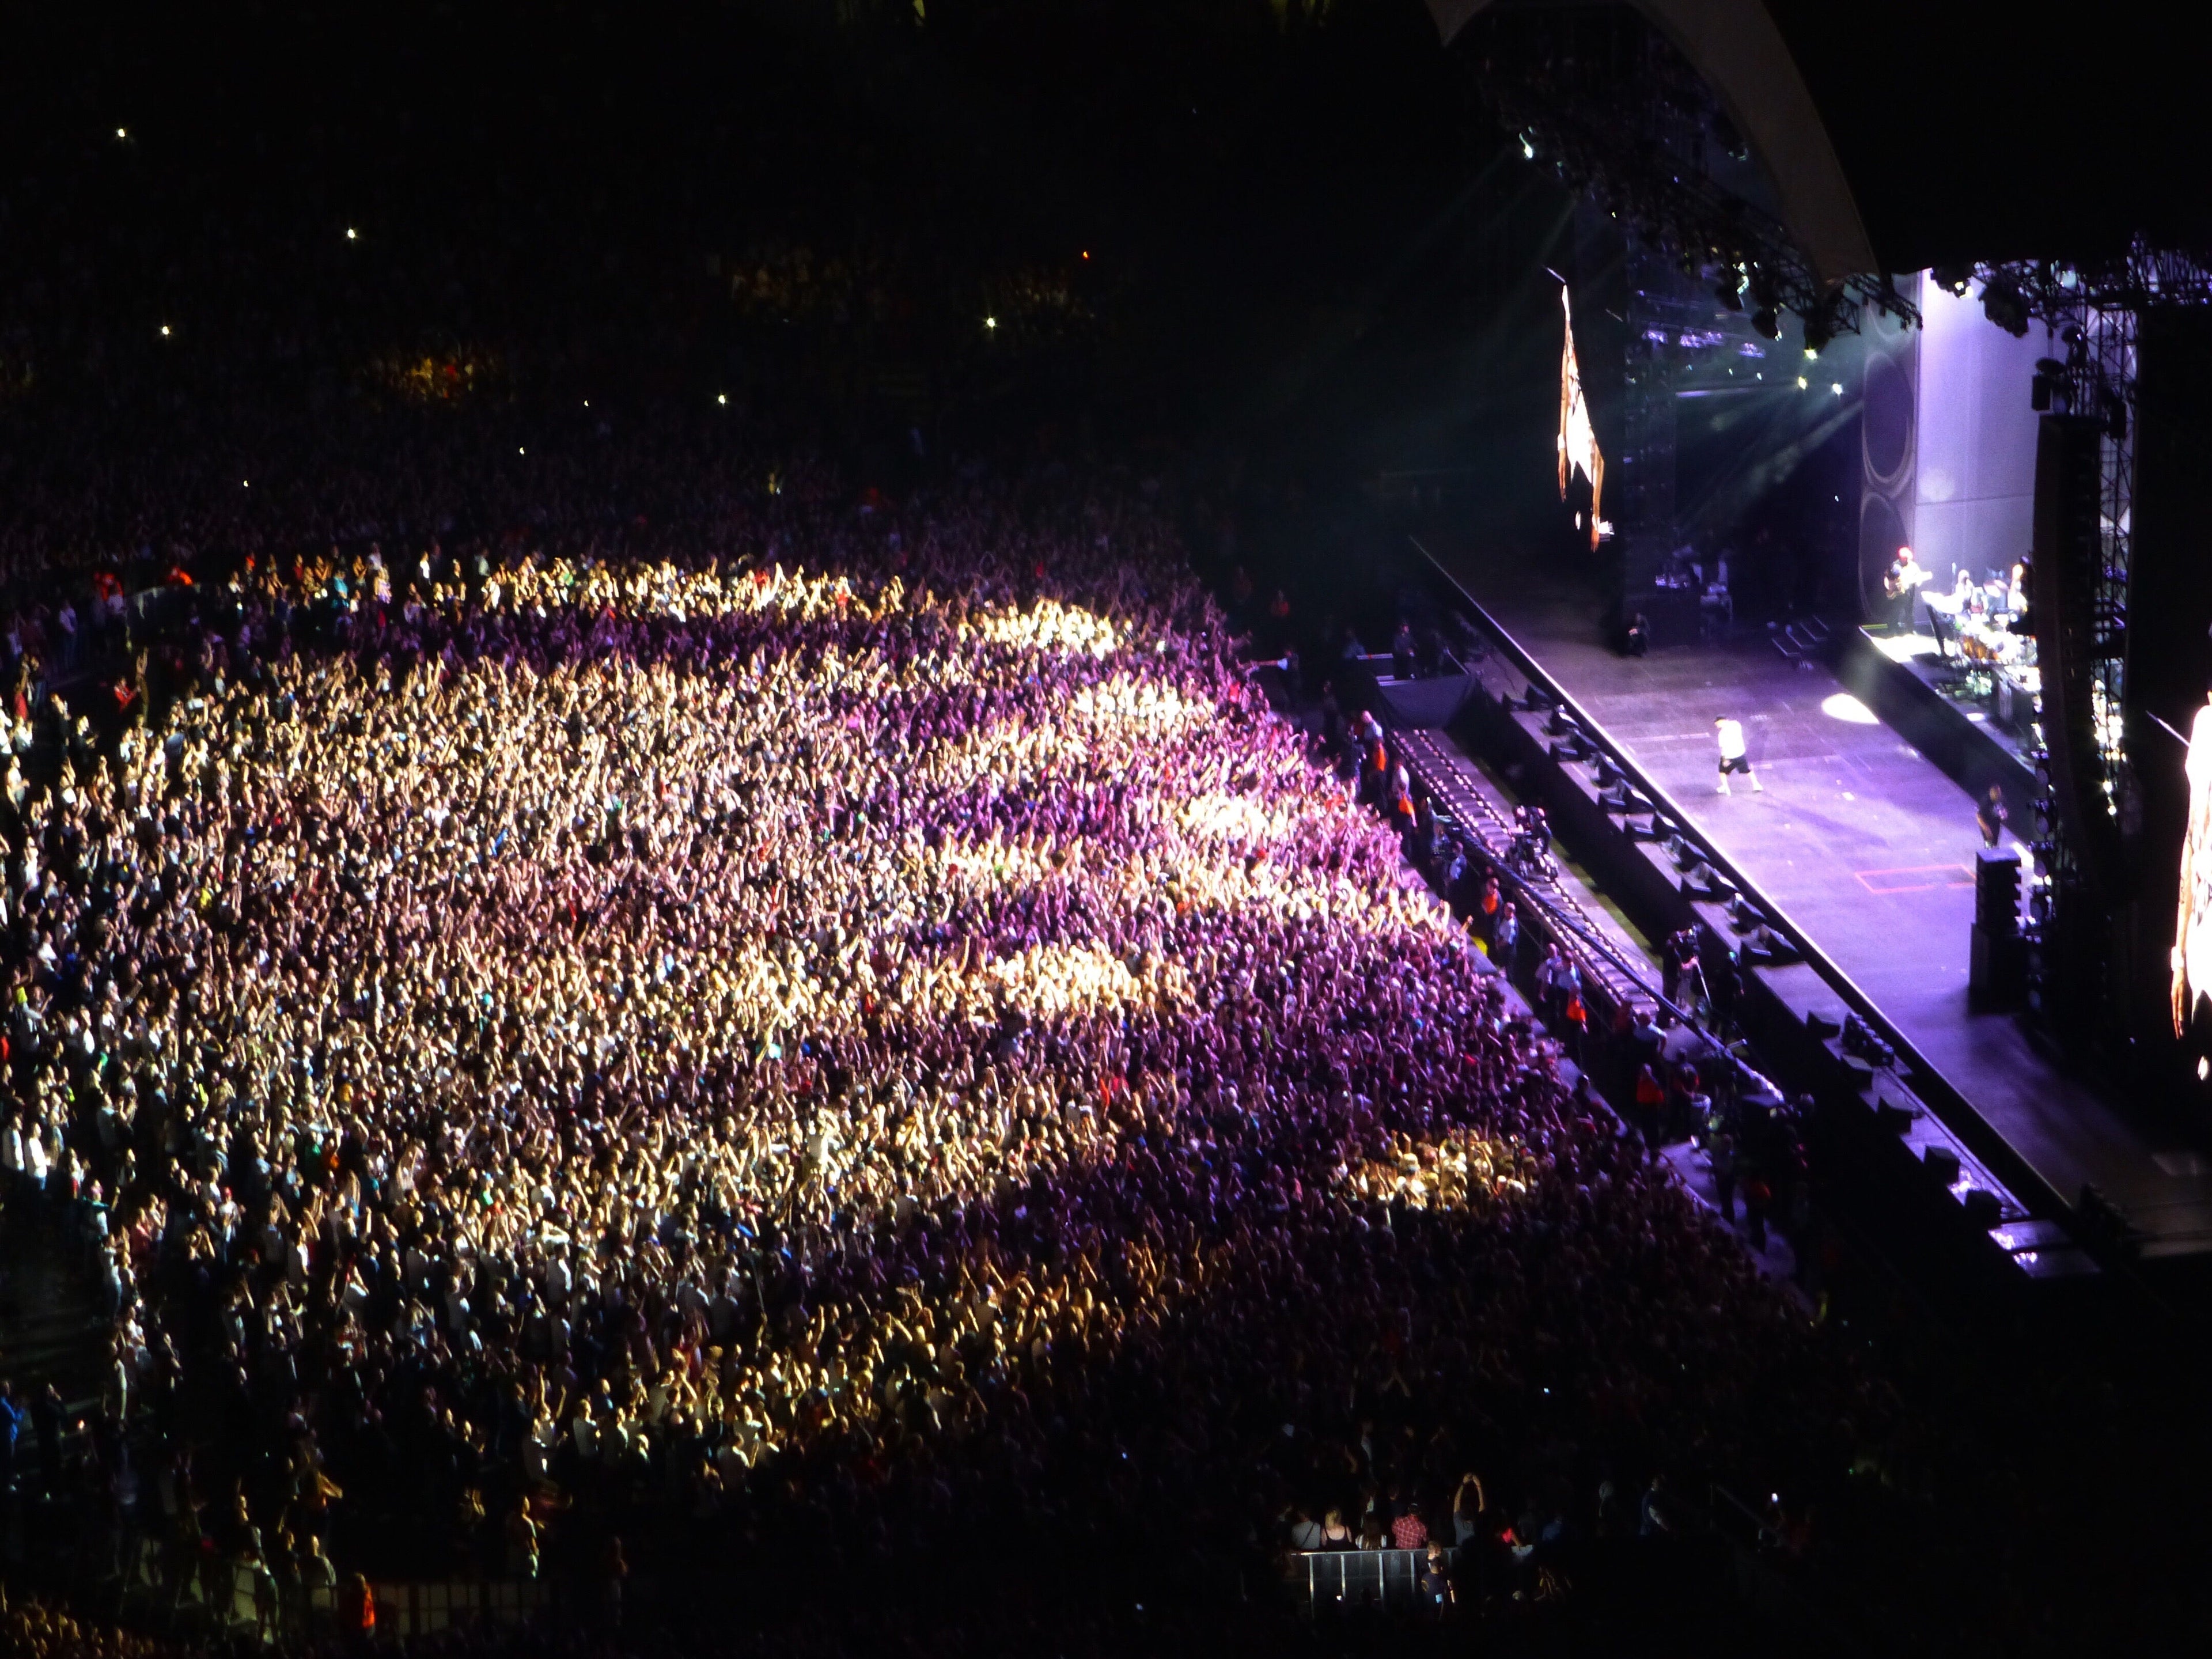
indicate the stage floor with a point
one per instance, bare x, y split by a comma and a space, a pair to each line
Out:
1868, 848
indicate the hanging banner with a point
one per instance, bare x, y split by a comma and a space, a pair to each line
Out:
1578, 450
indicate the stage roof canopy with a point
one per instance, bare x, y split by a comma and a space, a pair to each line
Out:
1899, 134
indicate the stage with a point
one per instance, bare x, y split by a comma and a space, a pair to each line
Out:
1867, 845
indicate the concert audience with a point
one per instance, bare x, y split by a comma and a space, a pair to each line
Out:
839, 1024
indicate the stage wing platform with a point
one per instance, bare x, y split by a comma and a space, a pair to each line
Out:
1866, 846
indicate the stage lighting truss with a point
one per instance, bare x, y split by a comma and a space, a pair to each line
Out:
2091, 311
1627, 123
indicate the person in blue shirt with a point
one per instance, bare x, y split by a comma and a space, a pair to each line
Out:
11, 1427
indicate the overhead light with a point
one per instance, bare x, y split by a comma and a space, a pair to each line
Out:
719, 398
990, 322
1527, 150
352, 235
1836, 387
2003, 304
1802, 383
165, 331
121, 133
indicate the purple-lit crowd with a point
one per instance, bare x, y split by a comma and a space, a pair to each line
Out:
857, 1022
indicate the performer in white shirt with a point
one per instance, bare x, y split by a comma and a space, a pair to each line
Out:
1729, 733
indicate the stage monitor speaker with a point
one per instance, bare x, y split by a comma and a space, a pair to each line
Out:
1996, 970
1996, 889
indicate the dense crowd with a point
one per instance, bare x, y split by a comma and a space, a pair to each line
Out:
872, 1034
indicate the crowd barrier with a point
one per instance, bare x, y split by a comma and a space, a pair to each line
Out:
1356, 1578
421, 1609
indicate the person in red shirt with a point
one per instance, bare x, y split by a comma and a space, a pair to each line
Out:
1650, 1109
357, 1611
1407, 1531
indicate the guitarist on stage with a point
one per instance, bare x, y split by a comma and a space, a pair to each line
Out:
1899, 583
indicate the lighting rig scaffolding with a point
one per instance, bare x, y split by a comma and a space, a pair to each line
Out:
2087, 807
1629, 123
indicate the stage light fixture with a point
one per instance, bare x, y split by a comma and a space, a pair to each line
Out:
1802, 383
1836, 386
352, 235
121, 133
2003, 304
1956, 279
1527, 150
165, 331
721, 397
990, 322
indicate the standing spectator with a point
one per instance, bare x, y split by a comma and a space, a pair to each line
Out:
46, 1420
1720, 1155
1407, 1531
11, 1428
612, 1570
1650, 1105
1757, 1200
1468, 1503
1436, 1579
357, 1614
